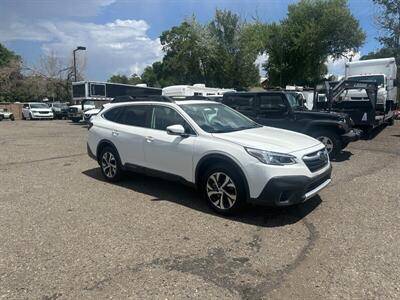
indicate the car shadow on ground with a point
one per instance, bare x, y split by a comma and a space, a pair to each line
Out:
342, 156
164, 190
374, 133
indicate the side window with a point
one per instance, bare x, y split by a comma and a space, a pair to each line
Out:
112, 114
165, 116
135, 115
240, 102
272, 102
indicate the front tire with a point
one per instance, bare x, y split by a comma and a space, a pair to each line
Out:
331, 140
223, 189
110, 164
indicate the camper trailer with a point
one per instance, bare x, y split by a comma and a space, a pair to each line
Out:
194, 90
90, 95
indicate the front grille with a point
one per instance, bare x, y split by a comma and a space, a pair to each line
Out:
44, 112
73, 110
317, 160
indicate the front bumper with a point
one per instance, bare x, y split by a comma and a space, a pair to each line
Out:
352, 136
289, 190
42, 116
75, 116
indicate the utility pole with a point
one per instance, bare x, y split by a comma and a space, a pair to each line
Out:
77, 49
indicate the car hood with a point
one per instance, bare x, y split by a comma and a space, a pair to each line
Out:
270, 139
321, 115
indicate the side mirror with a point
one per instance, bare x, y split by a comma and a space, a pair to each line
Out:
176, 130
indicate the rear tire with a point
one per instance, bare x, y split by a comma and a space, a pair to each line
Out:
223, 189
12, 118
110, 164
331, 140
391, 121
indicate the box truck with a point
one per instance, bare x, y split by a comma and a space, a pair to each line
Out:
383, 71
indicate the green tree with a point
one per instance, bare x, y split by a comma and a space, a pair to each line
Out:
6, 56
233, 61
118, 79
313, 30
217, 54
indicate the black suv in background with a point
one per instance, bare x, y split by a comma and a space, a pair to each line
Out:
282, 110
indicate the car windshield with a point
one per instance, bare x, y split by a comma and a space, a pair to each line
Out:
379, 79
39, 105
217, 118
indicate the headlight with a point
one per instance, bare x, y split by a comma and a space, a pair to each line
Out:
272, 158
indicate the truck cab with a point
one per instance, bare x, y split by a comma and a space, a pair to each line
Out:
383, 72
282, 110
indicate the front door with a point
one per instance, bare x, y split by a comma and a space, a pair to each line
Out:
169, 153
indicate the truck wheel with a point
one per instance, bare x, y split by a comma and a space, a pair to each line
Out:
391, 121
75, 120
12, 118
331, 141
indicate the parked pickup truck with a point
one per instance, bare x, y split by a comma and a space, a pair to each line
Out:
75, 112
281, 109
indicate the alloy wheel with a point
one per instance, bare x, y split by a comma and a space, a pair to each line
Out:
109, 164
327, 142
221, 190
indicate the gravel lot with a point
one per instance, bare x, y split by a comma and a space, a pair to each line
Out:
67, 234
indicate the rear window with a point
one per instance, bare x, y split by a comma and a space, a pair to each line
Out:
271, 102
135, 115
239, 102
112, 114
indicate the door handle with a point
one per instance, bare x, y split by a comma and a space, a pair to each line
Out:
115, 133
149, 139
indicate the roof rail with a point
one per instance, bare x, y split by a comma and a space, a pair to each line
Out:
159, 98
128, 98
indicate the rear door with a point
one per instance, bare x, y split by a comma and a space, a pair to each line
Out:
128, 132
169, 153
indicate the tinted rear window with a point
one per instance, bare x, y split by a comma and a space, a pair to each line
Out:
239, 101
112, 114
135, 115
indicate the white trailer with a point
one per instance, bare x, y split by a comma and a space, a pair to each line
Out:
383, 71
194, 90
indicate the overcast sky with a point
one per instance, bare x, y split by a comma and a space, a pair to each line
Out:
121, 36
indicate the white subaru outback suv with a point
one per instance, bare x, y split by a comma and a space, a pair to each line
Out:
228, 157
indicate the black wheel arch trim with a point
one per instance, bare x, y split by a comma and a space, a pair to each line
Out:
225, 158
107, 143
